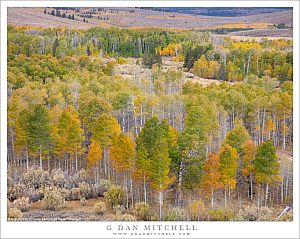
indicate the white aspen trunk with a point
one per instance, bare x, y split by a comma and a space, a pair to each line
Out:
145, 190
180, 184
160, 194
76, 161
139, 195
126, 190
251, 187
123, 121
282, 185
27, 159
131, 190
225, 198
286, 187
267, 193
263, 124
248, 64
212, 199
104, 162
13, 146
41, 163
283, 144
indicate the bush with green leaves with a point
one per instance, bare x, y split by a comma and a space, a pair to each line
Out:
221, 214
115, 196
99, 208
14, 213
22, 203
176, 214
143, 211
53, 199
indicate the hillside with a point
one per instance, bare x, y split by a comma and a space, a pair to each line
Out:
140, 18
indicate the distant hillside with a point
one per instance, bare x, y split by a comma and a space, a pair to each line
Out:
221, 11
83, 18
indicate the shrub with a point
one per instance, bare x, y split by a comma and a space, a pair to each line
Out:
75, 194
252, 213
121, 61
16, 191
221, 214
104, 186
248, 213
66, 193
33, 194
99, 208
57, 177
125, 218
196, 210
34, 177
53, 199
81, 175
95, 190
115, 196
85, 190
265, 214
23, 204
14, 213
142, 212
119, 209
176, 214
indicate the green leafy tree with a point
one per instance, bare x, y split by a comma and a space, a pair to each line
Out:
39, 130
266, 166
228, 166
153, 142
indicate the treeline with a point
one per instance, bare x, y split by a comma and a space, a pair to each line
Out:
57, 13
229, 60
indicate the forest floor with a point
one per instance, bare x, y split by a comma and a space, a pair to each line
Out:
137, 72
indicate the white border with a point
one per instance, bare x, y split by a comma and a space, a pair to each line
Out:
98, 229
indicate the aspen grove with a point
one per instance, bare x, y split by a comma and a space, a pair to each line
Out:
121, 117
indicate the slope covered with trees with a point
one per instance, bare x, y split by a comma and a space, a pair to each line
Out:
153, 144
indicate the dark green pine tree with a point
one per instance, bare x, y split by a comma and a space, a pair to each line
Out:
223, 75
54, 47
